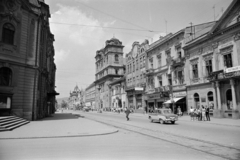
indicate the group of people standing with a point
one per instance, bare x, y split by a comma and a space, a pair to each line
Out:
200, 114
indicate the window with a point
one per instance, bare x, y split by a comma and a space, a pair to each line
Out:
159, 61
151, 63
140, 62
8, 33
208, 67
133, 66
136, 64
5, 76
170, 79
180, 77
143, 61
195, 70
160, 80
228, 60
116, 71
196, 100
116, 58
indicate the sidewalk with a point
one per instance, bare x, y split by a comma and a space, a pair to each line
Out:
59, 125
214, 121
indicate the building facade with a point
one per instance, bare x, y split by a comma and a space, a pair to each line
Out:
75, 100
90, 94
214, 62
109, 66
165, 73
27, 68
118, 94
135, 78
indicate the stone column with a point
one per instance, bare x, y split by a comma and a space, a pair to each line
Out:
134, 101
218, 112
235, 112
219, 105
214, 96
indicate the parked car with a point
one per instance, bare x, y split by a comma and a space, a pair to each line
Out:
163, 116
86, 109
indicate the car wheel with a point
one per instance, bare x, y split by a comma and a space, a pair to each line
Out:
173, 122
150, 119
161, 121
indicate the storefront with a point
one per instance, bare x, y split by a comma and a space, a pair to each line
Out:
227, 87
155, 101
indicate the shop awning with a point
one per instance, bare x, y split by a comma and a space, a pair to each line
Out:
174, 99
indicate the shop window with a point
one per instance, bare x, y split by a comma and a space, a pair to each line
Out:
8, 32
229, 99
228, 60
208, 67
5, 76
195, 70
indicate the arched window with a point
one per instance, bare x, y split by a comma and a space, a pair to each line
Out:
116, 58
5, 76
210, 100
229, 99
197, 100
8, 32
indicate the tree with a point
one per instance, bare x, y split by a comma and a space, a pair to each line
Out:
64, 104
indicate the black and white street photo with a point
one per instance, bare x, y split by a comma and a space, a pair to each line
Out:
119, 79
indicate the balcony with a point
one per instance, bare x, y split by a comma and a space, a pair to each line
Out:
178, 61
149, 71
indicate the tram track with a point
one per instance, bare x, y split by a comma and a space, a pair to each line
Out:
212, 148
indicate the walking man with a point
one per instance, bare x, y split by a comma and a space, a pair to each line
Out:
127, 113
207, 113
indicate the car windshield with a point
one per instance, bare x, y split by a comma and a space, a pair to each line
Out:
166, 111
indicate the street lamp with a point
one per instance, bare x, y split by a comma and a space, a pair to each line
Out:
99, 105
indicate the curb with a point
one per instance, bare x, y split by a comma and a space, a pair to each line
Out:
69, 136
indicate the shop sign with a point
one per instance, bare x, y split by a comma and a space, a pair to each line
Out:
180, 94
233, 69
138, 89
154, 96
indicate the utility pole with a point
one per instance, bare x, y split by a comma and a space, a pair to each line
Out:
166, 26
214, 12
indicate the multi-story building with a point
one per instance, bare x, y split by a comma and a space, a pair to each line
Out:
165, 73
109, 66
75, 100
135, 78
214, 66
27, 68
90, 94
118, 94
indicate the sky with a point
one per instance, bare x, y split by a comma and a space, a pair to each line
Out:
81, 27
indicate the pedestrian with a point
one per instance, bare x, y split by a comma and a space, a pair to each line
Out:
191, 113
179, 111
207, 113
127, 113
199, 114
203, 114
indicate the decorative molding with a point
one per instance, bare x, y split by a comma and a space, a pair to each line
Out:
194, 61
237, 36
215, 45
226, 50
208, 57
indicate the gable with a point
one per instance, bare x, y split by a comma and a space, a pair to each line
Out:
230, 17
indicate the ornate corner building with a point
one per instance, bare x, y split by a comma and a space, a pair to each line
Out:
27, 68
109, 67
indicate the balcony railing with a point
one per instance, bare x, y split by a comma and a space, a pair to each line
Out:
178, 61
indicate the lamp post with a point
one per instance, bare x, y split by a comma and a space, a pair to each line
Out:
99, 105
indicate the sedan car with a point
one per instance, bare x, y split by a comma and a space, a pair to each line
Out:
163, 116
